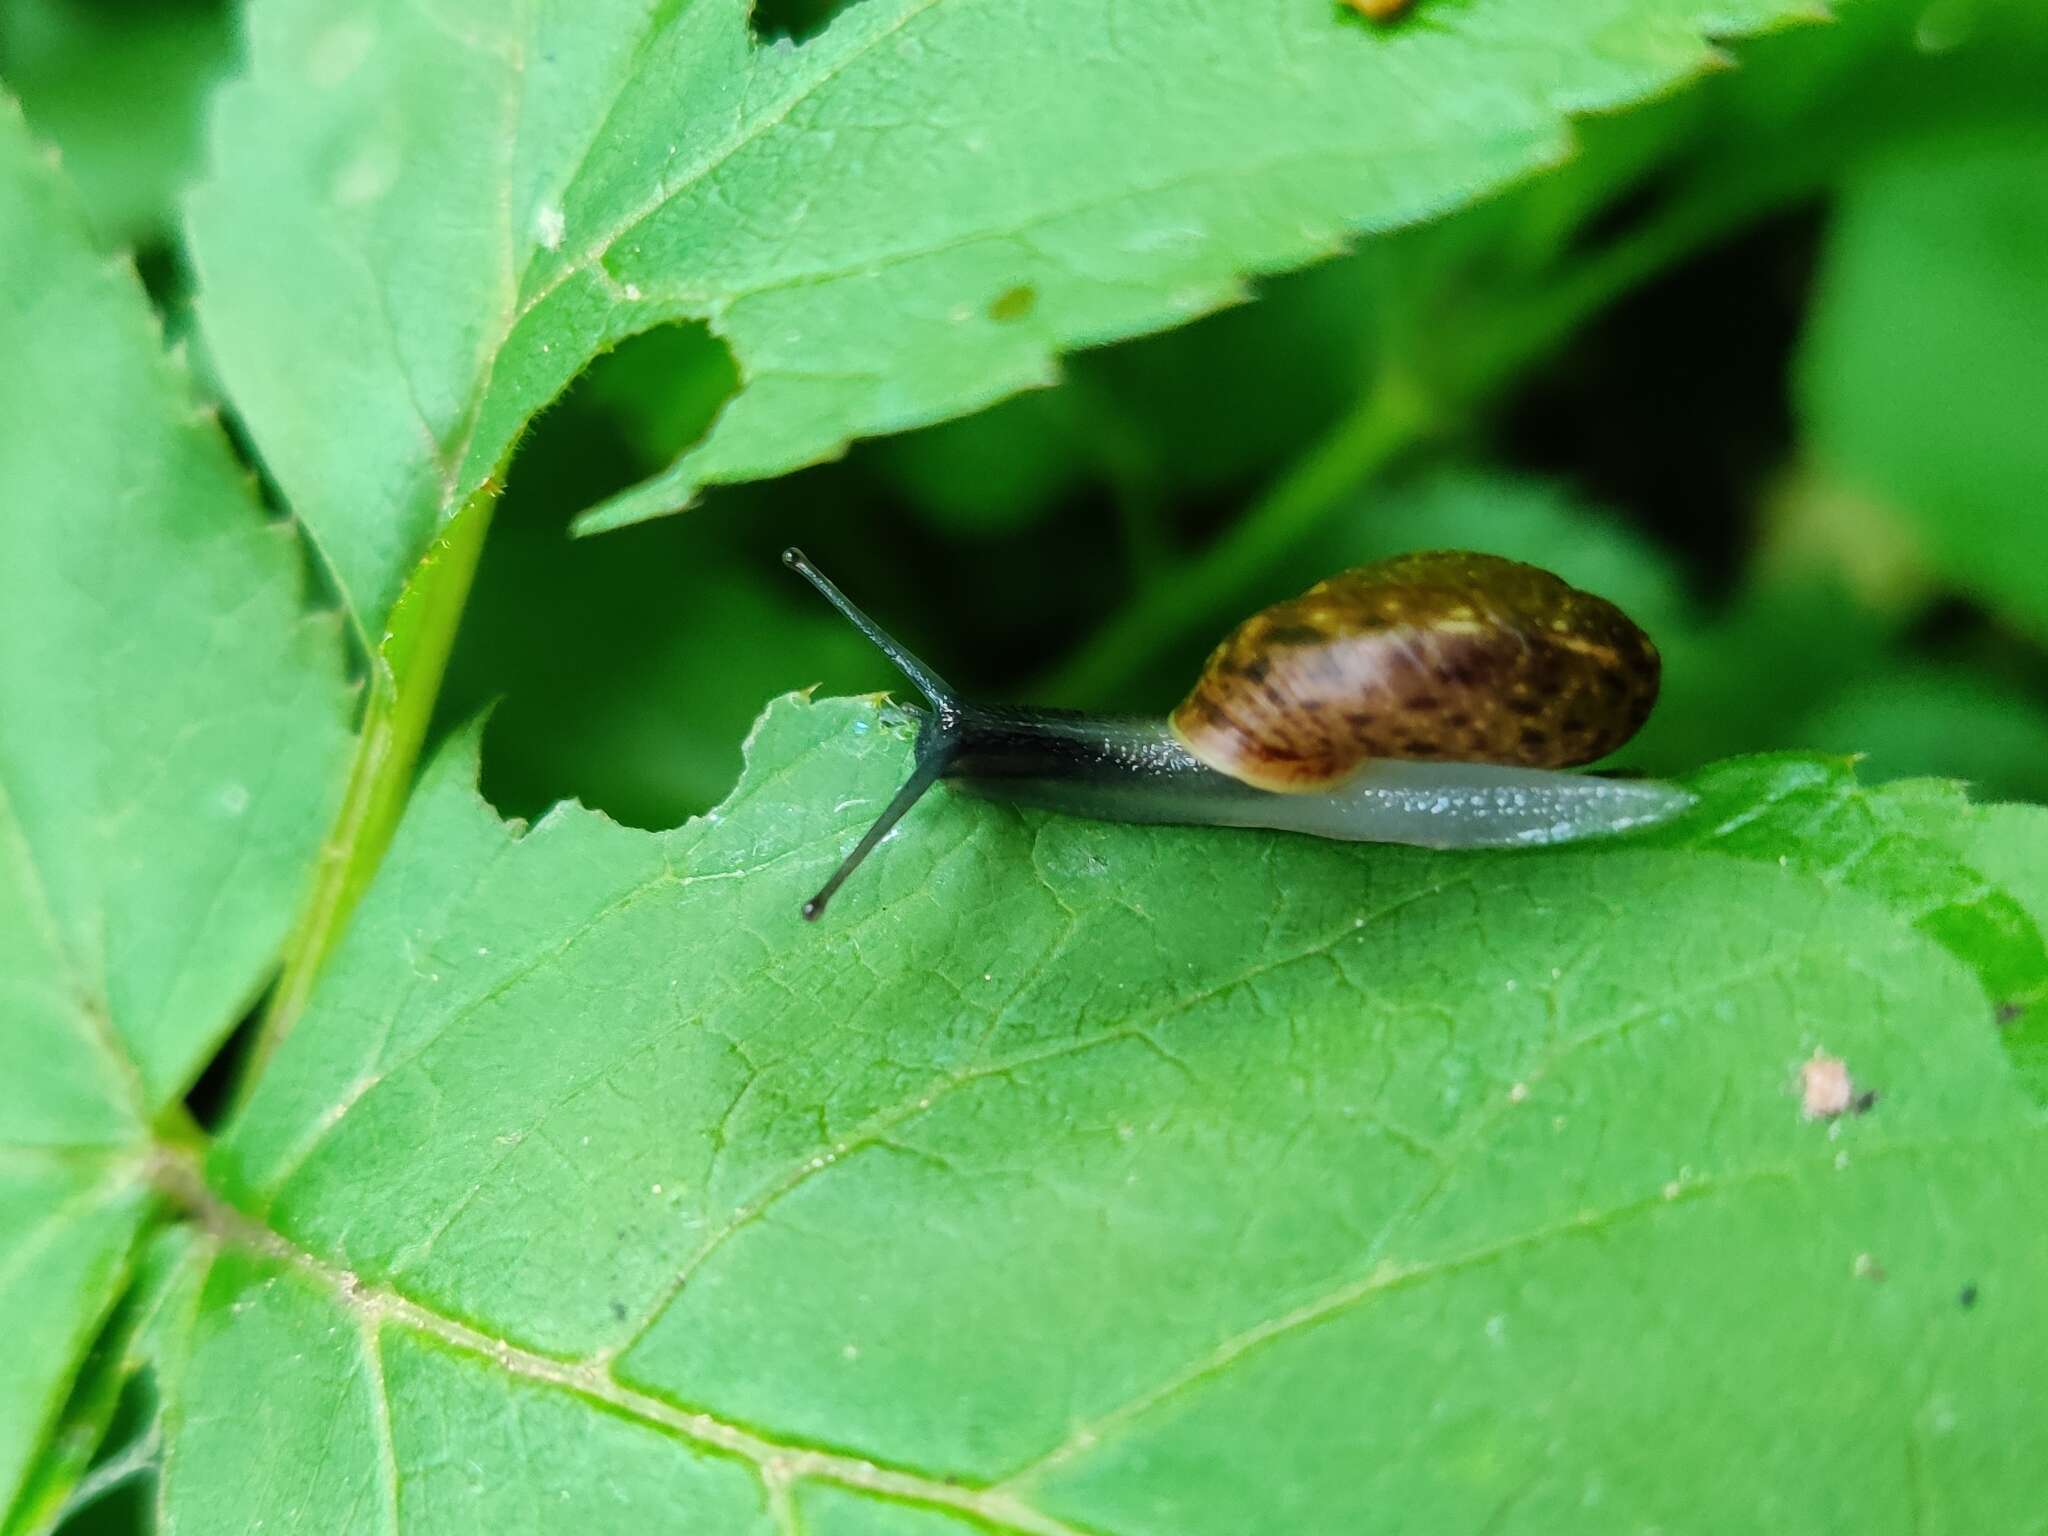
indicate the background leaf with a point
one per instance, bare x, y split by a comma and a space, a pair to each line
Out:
171, 736
1921, 374
482, 199
118, 88
1081, 545
1255, 1178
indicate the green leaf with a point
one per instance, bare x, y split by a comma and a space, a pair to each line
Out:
106, 1444
1077, 1177
1955, 871
1940, 720
171, 732
67, 1223
1921, 376
119, 91
424, 223
1888, 73
1222, 400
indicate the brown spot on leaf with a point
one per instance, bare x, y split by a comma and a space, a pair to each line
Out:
1013, 303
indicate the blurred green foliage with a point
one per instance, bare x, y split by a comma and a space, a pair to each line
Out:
120, 87
1924, 374
1764, 362
1850, 564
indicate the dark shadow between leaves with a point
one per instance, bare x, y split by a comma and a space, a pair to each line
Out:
1618, 412
576, 641
797, 20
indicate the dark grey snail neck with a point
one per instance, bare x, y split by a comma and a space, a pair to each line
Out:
1004, 752
1119, 768
1110, 767
987, 745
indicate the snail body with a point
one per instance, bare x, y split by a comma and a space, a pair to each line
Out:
1434, 699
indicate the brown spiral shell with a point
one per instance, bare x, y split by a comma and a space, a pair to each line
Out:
1444, 655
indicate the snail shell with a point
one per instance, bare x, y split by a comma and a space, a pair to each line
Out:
1443, 656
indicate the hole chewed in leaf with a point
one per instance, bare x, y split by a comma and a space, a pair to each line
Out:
658, 392
612, 661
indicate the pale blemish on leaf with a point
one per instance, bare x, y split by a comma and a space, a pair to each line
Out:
1825, 1088
550, 226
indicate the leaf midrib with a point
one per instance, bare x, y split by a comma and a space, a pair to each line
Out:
773, 1460
594, 1376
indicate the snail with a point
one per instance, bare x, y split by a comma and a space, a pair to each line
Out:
1433, 699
